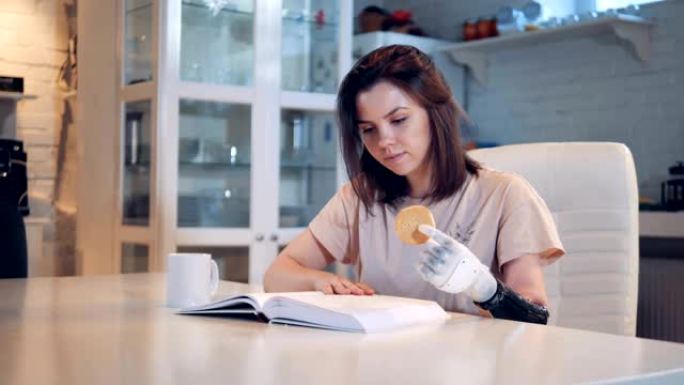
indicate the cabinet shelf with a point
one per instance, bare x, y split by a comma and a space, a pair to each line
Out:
308, 20
300, 19
15, 95
139, 8
231, 10
207, 166
308, 167
632, 29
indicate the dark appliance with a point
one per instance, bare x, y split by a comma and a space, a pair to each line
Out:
13, 207
672, 190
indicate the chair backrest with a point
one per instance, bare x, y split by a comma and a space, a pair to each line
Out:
591, 190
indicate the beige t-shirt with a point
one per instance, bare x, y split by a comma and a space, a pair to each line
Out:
497, 215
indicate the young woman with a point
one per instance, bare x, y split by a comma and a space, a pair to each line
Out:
400, 141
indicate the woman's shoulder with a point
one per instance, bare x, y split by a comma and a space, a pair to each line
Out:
509, 186
490, 178
339, 208
347, 192
346, 196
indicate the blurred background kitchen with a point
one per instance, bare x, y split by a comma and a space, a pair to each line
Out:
208, 125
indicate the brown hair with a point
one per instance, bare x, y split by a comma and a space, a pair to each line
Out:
414, 72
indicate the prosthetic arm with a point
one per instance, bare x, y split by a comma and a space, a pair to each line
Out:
452, 267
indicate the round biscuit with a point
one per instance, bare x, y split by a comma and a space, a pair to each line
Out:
407, 222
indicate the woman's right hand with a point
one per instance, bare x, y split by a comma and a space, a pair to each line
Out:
329, 283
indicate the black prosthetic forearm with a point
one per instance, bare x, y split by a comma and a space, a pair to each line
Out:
507, 304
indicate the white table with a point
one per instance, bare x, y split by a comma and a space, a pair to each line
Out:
116, 330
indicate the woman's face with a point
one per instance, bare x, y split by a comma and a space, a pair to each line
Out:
394, 128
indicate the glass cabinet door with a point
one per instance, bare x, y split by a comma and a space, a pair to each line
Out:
233, 262
134, 258
310, 45
308, 158
217, 41
214, 164
137, 61
136, 164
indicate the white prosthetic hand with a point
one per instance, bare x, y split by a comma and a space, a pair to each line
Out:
451, 267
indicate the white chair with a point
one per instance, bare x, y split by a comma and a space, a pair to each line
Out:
591, 189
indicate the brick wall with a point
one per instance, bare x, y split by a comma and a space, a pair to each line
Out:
580, 89
33, 45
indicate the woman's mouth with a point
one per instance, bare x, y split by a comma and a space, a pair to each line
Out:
396, 158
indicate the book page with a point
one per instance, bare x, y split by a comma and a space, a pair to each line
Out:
248, 302
352, 312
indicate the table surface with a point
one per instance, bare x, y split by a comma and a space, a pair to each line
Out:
116, 329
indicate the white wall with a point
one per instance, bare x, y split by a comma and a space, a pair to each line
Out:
585, 89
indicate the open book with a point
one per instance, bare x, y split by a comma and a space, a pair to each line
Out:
368, 313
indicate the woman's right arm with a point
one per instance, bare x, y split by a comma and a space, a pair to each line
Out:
299, 267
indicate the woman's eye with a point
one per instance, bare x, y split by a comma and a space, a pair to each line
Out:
365, 130
399, 121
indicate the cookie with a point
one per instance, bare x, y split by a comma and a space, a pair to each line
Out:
407, 223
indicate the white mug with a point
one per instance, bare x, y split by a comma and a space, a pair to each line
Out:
191, 280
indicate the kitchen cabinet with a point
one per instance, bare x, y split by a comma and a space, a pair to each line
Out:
226, 141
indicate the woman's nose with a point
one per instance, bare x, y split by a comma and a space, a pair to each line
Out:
386, 137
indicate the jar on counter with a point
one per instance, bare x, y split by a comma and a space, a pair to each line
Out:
486, 27
470, 30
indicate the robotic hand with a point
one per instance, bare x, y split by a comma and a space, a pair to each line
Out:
451, 267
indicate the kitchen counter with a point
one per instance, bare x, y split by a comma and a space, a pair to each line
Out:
662, 224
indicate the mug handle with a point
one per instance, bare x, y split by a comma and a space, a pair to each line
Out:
214, 277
